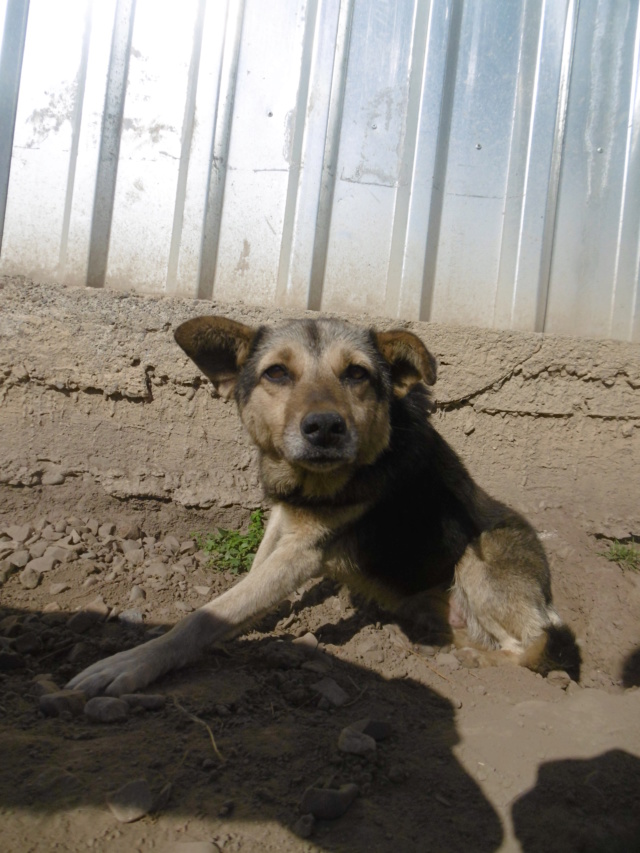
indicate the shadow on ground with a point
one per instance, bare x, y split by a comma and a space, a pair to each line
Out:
591, 806
631, 670
274, 737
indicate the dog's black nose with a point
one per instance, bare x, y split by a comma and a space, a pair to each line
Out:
323, 429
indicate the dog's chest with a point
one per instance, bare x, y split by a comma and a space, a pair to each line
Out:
412, 539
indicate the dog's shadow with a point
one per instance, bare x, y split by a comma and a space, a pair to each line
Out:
427, 627
242, 736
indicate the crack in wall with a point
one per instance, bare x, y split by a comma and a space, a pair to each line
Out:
448, 405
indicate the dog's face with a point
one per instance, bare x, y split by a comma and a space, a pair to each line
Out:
314, 394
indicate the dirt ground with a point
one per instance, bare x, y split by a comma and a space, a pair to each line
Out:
471, 759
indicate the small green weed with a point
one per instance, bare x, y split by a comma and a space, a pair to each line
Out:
626, 556
232, 551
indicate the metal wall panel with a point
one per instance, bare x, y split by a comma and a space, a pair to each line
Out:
464, 161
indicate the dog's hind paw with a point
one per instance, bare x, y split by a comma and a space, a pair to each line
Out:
126, 672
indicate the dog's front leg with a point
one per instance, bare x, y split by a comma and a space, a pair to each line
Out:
287, 557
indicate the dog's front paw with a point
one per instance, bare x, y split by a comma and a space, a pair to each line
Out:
126, 672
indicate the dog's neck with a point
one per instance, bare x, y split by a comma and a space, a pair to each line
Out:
287, 483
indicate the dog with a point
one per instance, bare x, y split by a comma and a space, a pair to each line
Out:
363, 489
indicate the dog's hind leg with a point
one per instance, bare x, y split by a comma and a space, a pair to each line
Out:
503, 590
288, 556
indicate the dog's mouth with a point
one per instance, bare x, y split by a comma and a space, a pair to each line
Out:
322, 463
321, 444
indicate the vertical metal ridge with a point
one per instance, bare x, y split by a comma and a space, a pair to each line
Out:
219, 160
624, 317
188, 123
330, 155
11, 55
110, 143
518, 171
441, 160
556, 165
295, 165
76, 124
399, 233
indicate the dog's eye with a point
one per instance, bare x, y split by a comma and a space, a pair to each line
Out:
276, 373
355, 373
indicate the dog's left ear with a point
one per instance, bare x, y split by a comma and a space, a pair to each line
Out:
218, 346
410, 360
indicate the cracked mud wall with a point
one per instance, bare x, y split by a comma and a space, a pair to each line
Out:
94, 391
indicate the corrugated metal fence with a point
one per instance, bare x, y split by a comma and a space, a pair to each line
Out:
462, 161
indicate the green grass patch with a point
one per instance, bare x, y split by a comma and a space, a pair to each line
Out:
232, 551
626, 556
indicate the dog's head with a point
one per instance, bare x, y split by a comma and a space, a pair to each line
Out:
315, 395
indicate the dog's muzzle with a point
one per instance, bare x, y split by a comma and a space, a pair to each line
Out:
324, 440
324, 429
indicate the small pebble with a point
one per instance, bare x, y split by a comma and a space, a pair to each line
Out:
331, 691
81, 621
304, 826
171, 544
355, 742
44, 684
131, 531
157, 570
377, 729
11, 626
106, 709
38, 548
53, 478
308, 643
58, 555
19, 559
69, 701
78, 651
135, 557
131, 802
328, 803
99, 607
131, 617
559, 678
27, 643
19, 533
447, 659
30, 577
6, 570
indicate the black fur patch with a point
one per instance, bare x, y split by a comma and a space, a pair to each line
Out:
248, 377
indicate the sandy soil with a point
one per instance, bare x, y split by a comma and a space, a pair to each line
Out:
473, 759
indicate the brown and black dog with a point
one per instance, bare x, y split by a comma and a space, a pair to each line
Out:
363, 489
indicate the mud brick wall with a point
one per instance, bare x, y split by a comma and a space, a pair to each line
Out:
93, 387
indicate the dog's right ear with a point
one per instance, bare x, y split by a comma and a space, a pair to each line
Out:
218, 346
